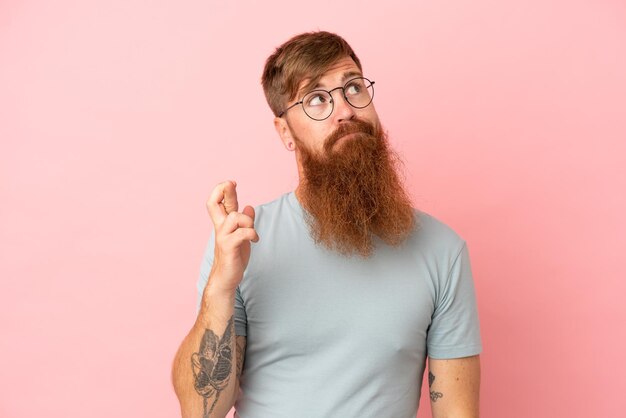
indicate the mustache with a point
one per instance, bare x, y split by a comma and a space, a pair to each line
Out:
355, 126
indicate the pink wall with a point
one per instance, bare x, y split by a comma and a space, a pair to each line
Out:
118, 117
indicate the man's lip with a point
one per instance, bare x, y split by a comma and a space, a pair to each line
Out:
346, 136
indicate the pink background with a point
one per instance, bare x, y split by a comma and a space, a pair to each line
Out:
118, 117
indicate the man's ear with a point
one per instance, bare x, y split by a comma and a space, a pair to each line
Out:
284, 132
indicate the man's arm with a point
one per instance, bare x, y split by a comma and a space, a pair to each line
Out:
454, 386
209, 362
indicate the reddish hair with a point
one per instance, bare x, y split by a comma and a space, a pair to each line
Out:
304, 57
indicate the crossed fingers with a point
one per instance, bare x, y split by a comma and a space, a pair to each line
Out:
223, 200
222, 206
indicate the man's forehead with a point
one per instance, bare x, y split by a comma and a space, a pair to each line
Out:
339, 73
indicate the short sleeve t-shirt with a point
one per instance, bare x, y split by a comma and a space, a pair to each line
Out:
335, 336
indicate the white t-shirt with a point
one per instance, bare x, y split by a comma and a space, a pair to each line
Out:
335, 336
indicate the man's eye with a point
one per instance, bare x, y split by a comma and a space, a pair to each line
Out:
317, 100
354, 88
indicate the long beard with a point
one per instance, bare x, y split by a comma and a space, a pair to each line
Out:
352, 192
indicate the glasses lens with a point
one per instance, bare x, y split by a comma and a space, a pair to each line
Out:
359, 92
318, 104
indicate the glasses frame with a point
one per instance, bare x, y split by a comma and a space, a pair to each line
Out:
332, 101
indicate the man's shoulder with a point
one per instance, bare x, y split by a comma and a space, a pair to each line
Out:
285, 208
274, 202
435, 234
279, 203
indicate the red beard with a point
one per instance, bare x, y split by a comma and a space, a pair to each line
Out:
353, 192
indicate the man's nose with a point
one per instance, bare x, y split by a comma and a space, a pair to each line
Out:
342, 109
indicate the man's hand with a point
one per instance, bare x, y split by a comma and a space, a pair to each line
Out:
233, 233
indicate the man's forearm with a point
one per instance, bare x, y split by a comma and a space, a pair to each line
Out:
204, 372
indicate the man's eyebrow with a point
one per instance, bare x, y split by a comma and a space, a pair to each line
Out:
351, 74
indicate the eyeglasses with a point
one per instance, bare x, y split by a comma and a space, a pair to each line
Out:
319, 104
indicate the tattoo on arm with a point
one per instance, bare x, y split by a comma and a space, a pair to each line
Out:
212, 365
433, 395
241, 346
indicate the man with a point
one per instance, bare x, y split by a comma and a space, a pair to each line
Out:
347, 289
